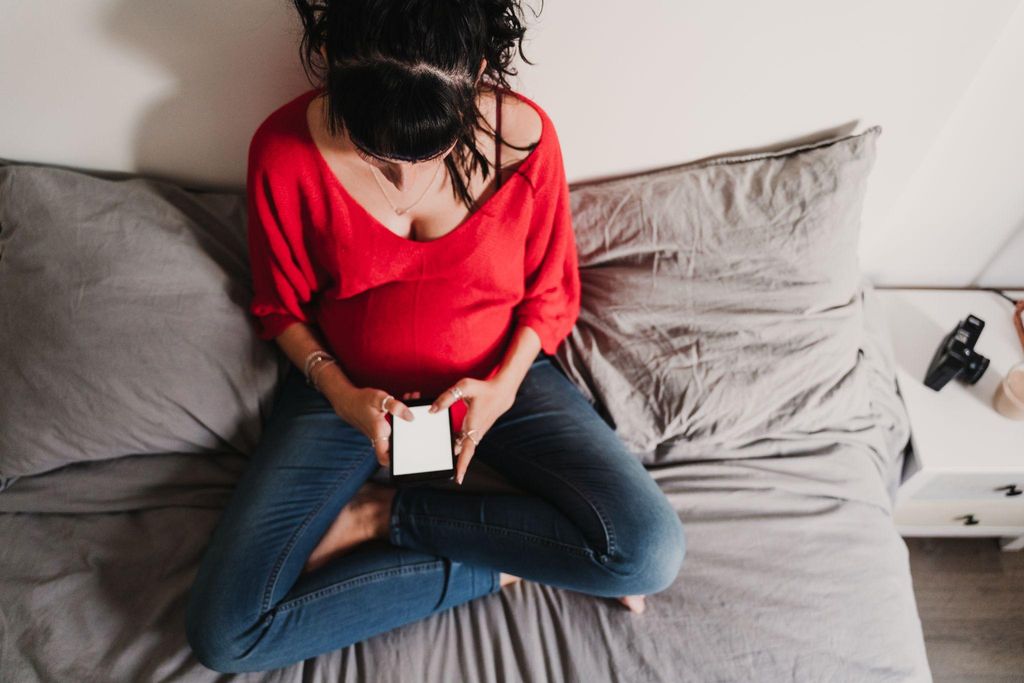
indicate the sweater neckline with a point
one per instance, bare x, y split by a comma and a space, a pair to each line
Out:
466, 223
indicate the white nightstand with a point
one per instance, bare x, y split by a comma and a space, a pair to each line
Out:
965, 462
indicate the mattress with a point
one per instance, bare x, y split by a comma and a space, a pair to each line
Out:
794, 572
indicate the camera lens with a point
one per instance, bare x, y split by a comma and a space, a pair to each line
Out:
975, 368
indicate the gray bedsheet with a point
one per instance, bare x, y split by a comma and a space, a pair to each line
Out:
794, 572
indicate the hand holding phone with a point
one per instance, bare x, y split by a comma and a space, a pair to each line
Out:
422, 449
362, 409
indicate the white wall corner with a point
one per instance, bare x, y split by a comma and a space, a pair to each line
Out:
960, 220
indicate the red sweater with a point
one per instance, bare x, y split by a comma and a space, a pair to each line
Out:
398, 314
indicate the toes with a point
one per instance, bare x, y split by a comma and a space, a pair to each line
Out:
635, 603
506, 579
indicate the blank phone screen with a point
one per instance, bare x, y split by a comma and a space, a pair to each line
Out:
423, 445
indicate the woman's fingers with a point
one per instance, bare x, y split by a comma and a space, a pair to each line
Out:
380, 444
379, 428
396, 407
448, 397
464, 448
382, 428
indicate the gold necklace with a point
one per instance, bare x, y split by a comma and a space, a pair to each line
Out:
422, 194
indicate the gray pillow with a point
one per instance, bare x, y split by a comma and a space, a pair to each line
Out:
720, 300
123, 323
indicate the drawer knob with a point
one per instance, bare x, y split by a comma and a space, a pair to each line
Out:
969, 520
1011, 490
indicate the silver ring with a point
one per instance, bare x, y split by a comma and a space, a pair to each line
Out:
456, 391
377, 439
469, 432
383, 402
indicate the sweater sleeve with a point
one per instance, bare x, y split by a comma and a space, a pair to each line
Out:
551, 302
283, 278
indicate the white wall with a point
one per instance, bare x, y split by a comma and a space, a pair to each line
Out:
175, 89
967, 194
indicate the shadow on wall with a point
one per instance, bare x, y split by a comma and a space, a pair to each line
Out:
227, 64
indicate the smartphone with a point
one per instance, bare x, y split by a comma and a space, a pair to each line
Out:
422, 449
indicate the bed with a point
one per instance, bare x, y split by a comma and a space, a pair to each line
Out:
755, 382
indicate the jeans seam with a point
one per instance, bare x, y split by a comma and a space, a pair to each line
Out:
272, 579
606, 526
585, 552
360, 580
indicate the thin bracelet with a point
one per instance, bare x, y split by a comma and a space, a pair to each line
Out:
313, 357
309, 358
305, 364
324, 364
317, 362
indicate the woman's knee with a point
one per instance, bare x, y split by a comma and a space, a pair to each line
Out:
649, 556
207, 640
217, 631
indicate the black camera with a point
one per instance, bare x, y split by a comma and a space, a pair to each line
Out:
956, 356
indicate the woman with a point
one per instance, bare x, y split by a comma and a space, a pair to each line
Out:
391, 258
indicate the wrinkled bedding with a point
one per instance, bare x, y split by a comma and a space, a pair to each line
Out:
794, 572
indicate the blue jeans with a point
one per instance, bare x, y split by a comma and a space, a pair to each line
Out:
593, 521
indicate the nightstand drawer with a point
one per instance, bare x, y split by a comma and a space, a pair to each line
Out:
969, 514
980, 486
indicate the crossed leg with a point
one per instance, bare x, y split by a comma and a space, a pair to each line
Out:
592, 521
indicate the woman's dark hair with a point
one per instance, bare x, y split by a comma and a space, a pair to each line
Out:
400, 75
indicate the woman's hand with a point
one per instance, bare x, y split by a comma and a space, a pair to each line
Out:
486, 401
361, 409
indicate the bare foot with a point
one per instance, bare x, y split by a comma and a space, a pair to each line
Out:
506, 579
635, 603
366, 516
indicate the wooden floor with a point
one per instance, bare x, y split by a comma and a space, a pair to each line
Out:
970, 596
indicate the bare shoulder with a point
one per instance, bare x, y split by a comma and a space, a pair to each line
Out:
521, 126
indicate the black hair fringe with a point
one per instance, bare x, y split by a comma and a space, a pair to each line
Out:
401, 75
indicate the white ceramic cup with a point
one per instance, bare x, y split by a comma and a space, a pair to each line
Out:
1009, 397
